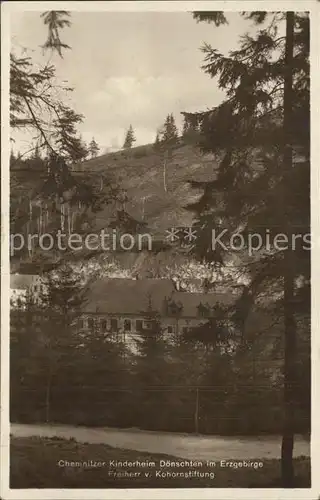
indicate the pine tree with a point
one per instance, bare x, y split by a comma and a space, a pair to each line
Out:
190, 128
151, 374
35, 162
102, 374
167, 139
36, 153
34, 100
62, 296
129, 139
93, 148
49, 325
169, 134
33, 96
55, 20
260, 136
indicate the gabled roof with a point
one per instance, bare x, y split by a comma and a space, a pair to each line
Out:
127, 296
22, 281
120, 295
191, 301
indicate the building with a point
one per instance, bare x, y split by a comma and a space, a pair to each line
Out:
22, 285
127, 306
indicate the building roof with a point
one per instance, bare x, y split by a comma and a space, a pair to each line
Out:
127, 296
190, 301
22, 281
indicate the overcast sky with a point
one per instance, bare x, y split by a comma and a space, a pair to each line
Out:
131, 68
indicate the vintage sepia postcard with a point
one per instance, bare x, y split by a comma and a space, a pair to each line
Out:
160, 220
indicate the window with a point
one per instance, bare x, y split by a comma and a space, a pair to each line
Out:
90, 323
185, 329
127, 325
114, 324
174, 308
139, 325
103, 324
81, 323
203, 310
170, 329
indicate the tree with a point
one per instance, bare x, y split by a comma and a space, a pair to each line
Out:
191, 127
49, 325
169, 133
37, 103
99, 377
93, 148
33, 105
151, 374
62, 297
260, 136
55, 20
167, 140
36, 99
129, 139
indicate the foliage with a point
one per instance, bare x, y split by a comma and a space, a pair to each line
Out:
55, 20
191, 128
93, 148
35, 103
169, 132
262, 184
158, 376
129, 139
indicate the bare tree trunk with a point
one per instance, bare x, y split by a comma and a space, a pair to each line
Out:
287, 469
72, 220
46, 216
62, 208
69, 220
30, 241
40, 219
165, 172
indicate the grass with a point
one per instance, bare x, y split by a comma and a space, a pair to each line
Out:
139, 172
35, 464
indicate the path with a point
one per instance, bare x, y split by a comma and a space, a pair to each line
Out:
179, 445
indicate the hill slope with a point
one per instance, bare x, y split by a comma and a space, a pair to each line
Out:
139, 171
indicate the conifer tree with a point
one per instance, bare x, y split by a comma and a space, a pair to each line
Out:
190, 128
167, 138
151, 373
260, 136
62, 296
34, 97
49, 325
129, 139
93, 148
169, 134
55, 20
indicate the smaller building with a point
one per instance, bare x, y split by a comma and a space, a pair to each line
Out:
24, 285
